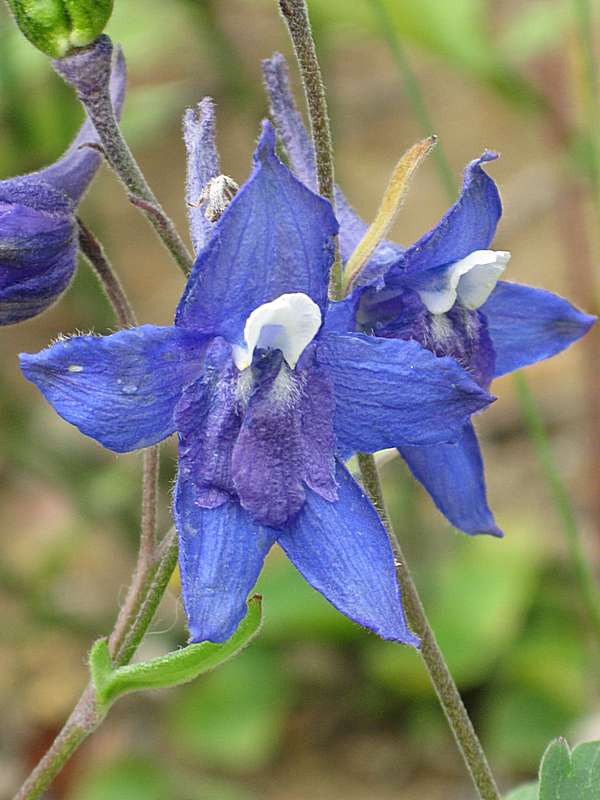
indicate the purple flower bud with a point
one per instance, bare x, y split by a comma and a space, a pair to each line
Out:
38, 230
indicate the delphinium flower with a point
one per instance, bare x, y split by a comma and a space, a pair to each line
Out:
38, 229
263, 390
443, 292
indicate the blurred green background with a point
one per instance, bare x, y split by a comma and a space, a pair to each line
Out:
317, 708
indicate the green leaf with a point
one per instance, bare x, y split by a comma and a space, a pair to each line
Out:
173, 669
570, 775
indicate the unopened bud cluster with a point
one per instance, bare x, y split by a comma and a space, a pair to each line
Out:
58, 26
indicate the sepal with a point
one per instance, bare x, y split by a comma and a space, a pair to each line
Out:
174, 669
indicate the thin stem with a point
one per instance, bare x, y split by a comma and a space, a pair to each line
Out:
88, 72
84, 718
446, 690
584, 575
76, 729
109, 280
295, 13
154, 566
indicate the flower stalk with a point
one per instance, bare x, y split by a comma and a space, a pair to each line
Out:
295, 13
88, 72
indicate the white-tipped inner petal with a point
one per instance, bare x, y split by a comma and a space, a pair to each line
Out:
471, 280
288, 323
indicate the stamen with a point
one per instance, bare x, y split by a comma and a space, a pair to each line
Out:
393, 198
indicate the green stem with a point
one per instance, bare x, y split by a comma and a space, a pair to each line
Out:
295, 13
581, 568
443, 683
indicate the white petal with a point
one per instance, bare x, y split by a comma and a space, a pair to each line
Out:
472, 280
477, 283
288, 323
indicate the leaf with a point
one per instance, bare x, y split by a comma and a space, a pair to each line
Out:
570, 775
173, 669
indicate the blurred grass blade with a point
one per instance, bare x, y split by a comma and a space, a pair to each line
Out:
391, 203
534, 425
173, 669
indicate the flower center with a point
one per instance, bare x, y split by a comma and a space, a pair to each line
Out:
470, 280
289, 323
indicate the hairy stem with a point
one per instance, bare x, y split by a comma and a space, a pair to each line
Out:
84, 718
295, 13
153, 570
440, 676
108, 278
88, 72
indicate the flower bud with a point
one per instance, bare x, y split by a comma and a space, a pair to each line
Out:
57, 26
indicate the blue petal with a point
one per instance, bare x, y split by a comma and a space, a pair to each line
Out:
286, 440
469, 225
208, 421
300, 151
73, 172
527, 325
37, 256
275, 237
122, 389
453, 476
343, 551
390, 392
221, 553
202, 166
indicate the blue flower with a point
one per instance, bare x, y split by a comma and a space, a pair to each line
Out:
443, 292
38, 230
262, 389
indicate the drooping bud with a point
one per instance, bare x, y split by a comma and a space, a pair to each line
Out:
58, 26
38, 231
